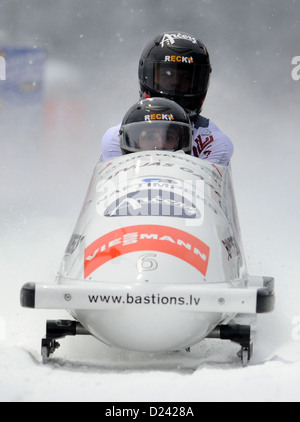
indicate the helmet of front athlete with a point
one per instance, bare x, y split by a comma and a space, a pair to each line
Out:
175, 65
156, 124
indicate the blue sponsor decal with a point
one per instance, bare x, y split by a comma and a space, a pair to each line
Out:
152, 202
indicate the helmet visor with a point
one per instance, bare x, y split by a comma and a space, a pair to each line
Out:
177, 78
157, 135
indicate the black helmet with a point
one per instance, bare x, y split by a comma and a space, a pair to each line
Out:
156, 124
175, 65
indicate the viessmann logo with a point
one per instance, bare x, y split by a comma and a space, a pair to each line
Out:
147, 238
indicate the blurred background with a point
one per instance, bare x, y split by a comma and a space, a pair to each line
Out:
71, 73
84, 56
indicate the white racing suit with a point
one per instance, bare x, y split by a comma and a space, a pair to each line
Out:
209, 143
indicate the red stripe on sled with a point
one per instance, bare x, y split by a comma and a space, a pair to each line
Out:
147, 238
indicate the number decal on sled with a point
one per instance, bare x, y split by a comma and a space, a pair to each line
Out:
147, 262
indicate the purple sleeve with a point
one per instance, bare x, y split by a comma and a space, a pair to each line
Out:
110, 144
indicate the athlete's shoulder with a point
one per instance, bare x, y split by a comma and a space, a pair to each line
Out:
204, 126
214, 128
110, 144
210, 142
112, 132
200, 122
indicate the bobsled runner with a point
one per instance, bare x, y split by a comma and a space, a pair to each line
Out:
155, 262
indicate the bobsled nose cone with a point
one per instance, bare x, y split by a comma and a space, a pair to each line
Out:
145, 331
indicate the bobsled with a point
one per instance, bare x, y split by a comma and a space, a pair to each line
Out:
155, 262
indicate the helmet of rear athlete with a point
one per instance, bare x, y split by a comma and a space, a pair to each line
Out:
176, 65
156, 124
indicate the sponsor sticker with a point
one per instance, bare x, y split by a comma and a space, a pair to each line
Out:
156, 238
152, 202
170, 39
152, 197
179, 59
159, 116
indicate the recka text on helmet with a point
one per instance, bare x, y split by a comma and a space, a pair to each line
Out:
179, 59
159, 116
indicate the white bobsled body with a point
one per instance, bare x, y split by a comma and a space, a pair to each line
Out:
158, 223
155, 262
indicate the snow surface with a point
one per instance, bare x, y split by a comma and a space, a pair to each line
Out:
42, 188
